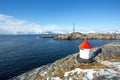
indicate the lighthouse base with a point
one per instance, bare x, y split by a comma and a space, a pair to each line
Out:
80, 60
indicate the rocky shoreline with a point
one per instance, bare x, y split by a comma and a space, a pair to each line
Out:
106, 66
93, 36
80, 36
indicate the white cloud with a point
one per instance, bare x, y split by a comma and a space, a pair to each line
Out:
11, 25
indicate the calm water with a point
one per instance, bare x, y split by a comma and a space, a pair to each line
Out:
20, 53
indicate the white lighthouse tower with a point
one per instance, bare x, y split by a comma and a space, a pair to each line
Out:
85, 50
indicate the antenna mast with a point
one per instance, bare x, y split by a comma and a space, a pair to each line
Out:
73, 27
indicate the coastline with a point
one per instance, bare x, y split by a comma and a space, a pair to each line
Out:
81, 36
69, 68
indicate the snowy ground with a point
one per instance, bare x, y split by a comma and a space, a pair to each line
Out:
114, 64
76, 73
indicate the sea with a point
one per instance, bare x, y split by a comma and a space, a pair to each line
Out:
21, 53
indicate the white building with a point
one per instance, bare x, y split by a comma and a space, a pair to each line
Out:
85, 50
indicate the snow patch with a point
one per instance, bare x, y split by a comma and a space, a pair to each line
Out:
88, 73
114, 64
55, 78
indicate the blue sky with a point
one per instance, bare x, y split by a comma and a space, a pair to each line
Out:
88, 15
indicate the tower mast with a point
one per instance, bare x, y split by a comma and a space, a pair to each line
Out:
73, 27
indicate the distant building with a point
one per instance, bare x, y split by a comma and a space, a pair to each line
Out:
85, 50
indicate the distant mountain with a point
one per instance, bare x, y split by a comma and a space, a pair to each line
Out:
61, 32
43, 32
114, 32
53, 32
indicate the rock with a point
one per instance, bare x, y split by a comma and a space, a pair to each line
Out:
80, 60
78, 35
107, 78
109, 52
71, 36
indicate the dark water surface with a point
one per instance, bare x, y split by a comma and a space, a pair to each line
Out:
20, 53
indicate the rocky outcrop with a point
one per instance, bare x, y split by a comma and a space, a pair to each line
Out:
78, 35
109, 52
47, 36
71, 36
106, 66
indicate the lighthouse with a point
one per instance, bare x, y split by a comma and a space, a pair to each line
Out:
85, 50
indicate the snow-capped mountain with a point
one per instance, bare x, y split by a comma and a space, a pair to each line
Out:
113, 32
42, 32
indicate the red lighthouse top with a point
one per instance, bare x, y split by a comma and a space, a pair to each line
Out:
85, 45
